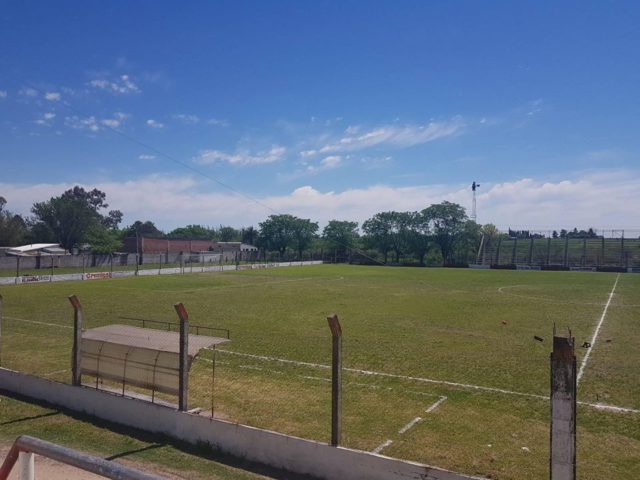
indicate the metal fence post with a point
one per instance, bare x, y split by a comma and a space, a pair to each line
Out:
183, 380
562, 457
76, 375
336, 380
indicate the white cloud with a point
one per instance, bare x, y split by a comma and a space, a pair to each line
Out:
331, 161
82, 123
599, 200
110, 122
327, 163
187, 119
3, 94
209, 157
151, 123
218, 122
46, 119
398, 136
52, 96
121, 85
28, 92
146, 156
94, 124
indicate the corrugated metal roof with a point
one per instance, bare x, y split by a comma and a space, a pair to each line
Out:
149, 338
33, 246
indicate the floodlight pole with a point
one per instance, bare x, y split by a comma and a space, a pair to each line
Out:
76, 373
183, 379
336, 380
562, 457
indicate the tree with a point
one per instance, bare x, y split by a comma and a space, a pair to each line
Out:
400, 222
228, 234
13, 228
304, 231
69, 217
276, 233
249, 235
378, 232
103, 240
447, 222
95, 199
194, 232
144, 229
466, 246
281, 231
340, 235
418, 235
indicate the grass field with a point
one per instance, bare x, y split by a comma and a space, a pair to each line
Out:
453, 347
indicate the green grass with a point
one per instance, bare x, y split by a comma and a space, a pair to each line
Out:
465, 326
137, 449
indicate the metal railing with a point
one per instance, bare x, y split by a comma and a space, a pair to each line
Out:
175, 326
99, 466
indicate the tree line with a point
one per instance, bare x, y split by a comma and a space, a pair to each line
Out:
439, 234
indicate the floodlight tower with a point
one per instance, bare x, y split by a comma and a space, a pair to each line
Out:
474, 186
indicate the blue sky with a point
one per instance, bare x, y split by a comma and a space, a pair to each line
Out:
325, 109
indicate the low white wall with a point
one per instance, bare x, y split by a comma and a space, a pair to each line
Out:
144, 272
263, 446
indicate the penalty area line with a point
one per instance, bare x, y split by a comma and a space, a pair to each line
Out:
594, 338
410, 425
463, 386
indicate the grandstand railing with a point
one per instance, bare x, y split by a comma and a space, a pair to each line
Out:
99, 466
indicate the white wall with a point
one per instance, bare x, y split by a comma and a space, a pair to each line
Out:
254, 444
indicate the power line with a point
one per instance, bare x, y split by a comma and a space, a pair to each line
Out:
186, 165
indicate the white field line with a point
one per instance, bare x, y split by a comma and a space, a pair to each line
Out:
609, 408
410, 425
417, 420
435, 405
388, 375
594, 338
55, 372
382, 446
598, 406
37, 323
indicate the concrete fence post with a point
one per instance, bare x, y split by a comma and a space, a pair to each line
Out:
183, 379
562, 457
27, 466
336, 380
76, 375
0, 330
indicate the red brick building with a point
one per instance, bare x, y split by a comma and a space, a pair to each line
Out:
168, 246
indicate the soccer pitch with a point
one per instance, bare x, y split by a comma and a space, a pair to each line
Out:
441, 365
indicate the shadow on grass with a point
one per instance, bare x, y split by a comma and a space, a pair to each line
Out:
33, 417
137, 450
157, 440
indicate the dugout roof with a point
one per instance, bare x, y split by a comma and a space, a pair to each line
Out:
143, 357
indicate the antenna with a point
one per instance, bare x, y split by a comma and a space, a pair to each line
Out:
474, 186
